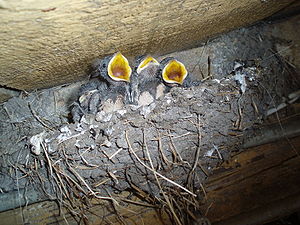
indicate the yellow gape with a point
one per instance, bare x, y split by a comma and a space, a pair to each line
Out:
118, 68
148, 60
174, 72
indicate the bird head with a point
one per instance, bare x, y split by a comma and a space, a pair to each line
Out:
115, 68
146, 69
173, 72
146, 62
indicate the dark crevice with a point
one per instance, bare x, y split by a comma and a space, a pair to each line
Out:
10, 88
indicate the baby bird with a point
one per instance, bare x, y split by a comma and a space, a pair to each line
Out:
173, 73
111, 79
90, 97
116, 71
144, 80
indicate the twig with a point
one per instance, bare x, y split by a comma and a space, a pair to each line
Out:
202, 168
199, 145
204, 192
208, 67
115, 153
147, 167
68, 178
81, 179
183, 135
101, 182
277, 53
18, 188
62, 183
55, 101
73, 136
206, 78
115, 204
208, 208
218, 152
60, 189
198, 62
88, 187
254, 106
38, 118
138, 203
48, 159
174, 150
85, 161
238, 123
158, 183
228, 93
160, 149
279, 121
113, 176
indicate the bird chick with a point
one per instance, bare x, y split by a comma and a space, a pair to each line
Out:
144, 78
90, 97
116, 71
111, 78
148, 65
174, 73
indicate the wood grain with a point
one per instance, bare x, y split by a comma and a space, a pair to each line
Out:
259, 179
101, 212
47, 43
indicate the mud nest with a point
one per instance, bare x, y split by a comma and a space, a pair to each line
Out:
161, 152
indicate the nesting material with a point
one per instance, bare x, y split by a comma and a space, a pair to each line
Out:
158, 149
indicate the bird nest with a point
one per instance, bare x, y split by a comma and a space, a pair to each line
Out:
162, 152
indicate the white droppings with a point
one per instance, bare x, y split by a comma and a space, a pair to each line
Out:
35, 142
146, 110
241, 79
79, 127
237, 65
216, 80
66, 130
210, 152
122, 112
65, 134
103, 116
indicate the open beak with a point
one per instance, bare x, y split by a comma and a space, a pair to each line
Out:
118, 68
146, 62
174, 72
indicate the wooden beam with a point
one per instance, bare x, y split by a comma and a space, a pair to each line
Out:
292, 10
101, 212
257, 185
47, 43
